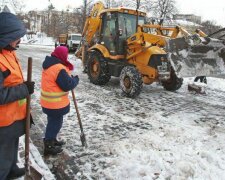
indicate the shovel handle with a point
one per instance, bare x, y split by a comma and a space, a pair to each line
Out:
82, 135
77, 111
27, 135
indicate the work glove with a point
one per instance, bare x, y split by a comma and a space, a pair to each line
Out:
30, 86
76, 79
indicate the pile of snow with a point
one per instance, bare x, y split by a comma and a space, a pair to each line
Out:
35, 160
38, 39
185, 23
180, 22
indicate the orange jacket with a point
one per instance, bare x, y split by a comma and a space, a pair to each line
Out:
15, 110
52, 96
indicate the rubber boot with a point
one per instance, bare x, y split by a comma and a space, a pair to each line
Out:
50, 148
59, 143
16, 173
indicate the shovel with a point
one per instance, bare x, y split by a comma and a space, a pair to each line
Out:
82, 135
30, 171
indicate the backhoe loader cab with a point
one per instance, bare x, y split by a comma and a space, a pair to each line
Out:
114, 44
116, 28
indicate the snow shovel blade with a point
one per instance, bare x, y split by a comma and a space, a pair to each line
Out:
83, 140
196, 59
33, 174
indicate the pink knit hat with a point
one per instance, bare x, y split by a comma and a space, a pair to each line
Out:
61, 52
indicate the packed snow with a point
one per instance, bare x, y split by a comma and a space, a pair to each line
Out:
158, 135
37, 39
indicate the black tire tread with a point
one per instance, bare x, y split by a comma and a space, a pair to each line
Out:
174, 83
136, 78
104, 75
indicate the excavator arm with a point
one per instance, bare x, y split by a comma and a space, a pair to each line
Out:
91, 27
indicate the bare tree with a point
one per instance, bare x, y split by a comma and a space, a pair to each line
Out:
49, 14
111, 3
64, 22
108, 3
209, 27
164, 8
135, 4
146, 5
18, 5
54, 25
78, 19
82, 13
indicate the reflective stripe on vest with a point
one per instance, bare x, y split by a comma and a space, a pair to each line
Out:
52, 96
22, 102
14, 111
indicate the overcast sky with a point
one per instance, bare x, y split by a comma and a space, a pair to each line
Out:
58, 4
209, 9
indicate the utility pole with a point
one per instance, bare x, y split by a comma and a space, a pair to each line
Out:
84, 13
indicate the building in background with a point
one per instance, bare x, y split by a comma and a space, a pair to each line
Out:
52, 22
35, 19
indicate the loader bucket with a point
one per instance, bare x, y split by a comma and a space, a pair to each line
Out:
220, 34
193, 56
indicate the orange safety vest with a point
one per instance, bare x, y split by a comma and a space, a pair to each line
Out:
14, 111
52, 96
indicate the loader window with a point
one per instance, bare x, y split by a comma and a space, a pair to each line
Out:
127, 23
127, 27
109, 33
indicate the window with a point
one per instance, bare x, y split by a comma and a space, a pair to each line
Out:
76, 37
127, 23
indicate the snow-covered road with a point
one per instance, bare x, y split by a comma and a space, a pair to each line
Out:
158, 135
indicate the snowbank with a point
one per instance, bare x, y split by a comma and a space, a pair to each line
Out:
38, 39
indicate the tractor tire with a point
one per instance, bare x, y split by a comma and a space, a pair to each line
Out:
174, 83
130, 82
97, 69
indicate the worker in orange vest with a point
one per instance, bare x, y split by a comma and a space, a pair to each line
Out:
13, 93
56, 83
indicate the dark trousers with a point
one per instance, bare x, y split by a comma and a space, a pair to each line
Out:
53, 127
9, 142
201, 78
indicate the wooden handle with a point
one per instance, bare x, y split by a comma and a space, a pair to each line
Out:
27, 135
29, 69
77, 111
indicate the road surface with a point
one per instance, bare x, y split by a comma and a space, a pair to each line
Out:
160, 134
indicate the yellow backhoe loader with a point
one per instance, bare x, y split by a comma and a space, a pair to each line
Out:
117, 42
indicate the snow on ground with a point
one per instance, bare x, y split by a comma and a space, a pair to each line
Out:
38, 39
158, 135
35, 159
